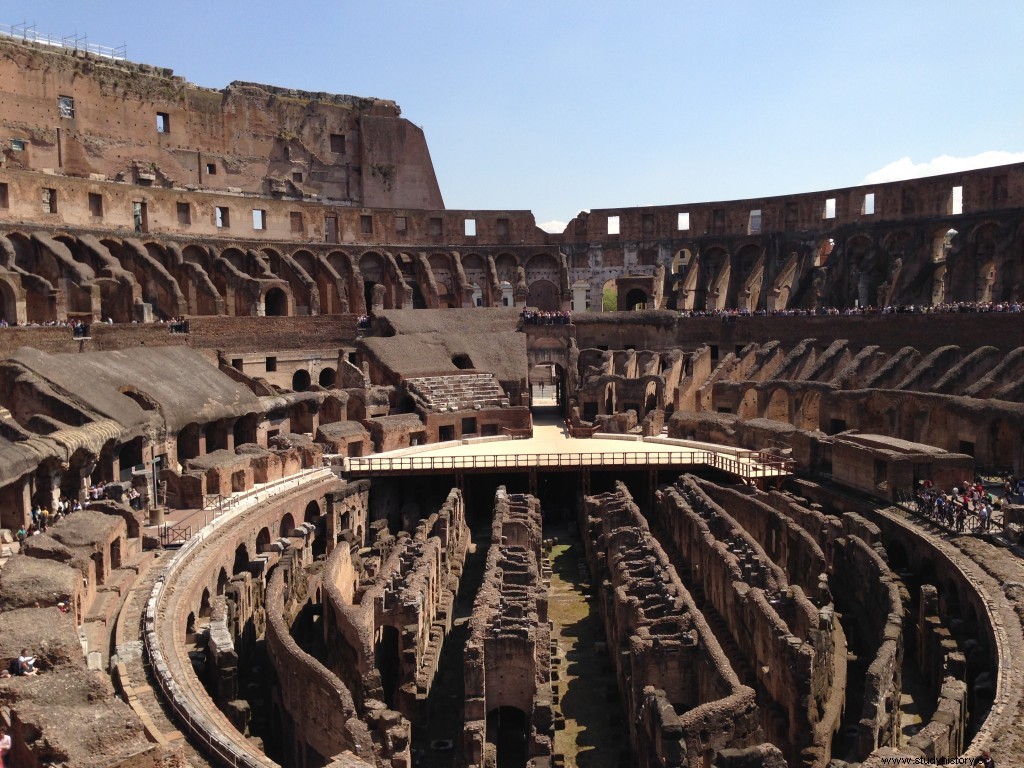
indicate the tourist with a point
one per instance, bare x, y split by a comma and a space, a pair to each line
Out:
984, 760
21, 535
5, 745
26, 664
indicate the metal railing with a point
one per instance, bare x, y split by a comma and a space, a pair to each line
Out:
747, 464
26, 31
970, 522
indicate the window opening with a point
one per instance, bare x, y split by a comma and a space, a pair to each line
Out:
163, 122
868, 208
338, 143
184, 214
683, 221
271, 364
754, 222
49, 200
296, 220
18, 145
400, 224
613, 225
956, 201
366, 224
259, 218
223, 217
96, 205
470, 227
211, 169
830, 208
66, 105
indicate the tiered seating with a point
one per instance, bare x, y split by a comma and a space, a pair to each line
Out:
466, 392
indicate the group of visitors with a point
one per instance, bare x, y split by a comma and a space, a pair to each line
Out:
43, 517
953, 508
536, 317
363, 323
956, 307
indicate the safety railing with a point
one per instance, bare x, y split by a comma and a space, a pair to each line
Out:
218, 743
74, 42
746, 464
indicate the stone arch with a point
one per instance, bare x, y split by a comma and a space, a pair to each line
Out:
327, 377
276, 303
747, 408
506, 265
474, 267
204, 604
312, 512
809, 411
9, 302
263, 540
222, 581
777, 407
189, 441
543, 295
636, 299
241, 561
300, 380
287, 527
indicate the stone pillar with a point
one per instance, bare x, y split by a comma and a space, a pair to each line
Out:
579, 296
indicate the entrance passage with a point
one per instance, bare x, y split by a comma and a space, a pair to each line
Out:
508, 730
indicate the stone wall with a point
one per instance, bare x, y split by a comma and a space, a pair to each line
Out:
507, 659
683, 699
784, 636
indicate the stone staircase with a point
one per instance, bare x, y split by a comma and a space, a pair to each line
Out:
466, 392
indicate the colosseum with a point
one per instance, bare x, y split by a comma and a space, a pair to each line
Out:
300, 467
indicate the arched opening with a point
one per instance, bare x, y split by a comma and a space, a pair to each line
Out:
508, 730
189, 442
262, 540
300, 380
609, 398
222, 581
651, 397
636, 299
386, 656
287, 526
241, 563
543, 295
778, 406
462, 362
190, 628
244, 429
275, 303
312, 513
204, 605
327, 377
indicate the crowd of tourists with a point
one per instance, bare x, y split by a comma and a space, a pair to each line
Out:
536, 317
956, 307
955, 507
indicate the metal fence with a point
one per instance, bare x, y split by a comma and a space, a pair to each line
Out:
747, 464
26, 31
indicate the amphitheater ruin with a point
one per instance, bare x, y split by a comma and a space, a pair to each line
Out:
299, 467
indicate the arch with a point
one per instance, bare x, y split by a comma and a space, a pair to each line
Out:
300, 380
326, 378
636, 298
204, 604
312, 513
222, 581
809, 414
747, 408
190, 442
505, 265
306, 261
287, 526
275, 303
371, 265
651, 397
190, 627
777, 408
541, 261
543, 295
241, 561
262, 540
462, 362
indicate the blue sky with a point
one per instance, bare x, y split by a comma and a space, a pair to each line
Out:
560, 106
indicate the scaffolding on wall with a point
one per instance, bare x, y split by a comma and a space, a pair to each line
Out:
76, 42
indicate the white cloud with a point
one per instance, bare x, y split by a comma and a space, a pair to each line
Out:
905, 168
554, 226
